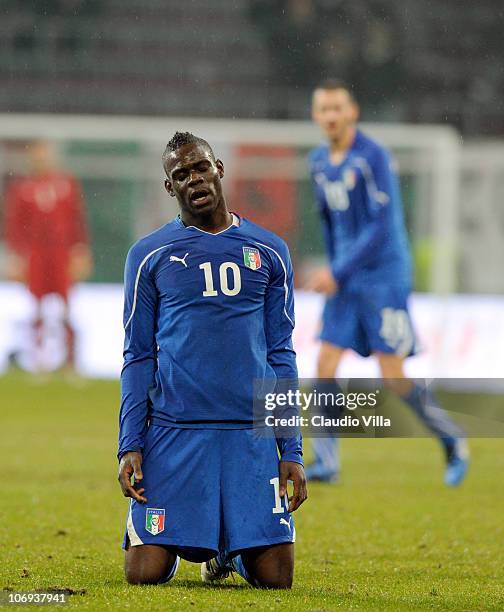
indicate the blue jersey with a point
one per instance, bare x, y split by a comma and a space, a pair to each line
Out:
204, 315
362, 218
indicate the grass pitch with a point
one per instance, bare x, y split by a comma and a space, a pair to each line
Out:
389, 537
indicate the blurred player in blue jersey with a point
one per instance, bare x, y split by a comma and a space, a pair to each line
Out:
368, 281
208, 308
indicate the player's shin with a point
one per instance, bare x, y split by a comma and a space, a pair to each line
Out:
426, 406
70, 344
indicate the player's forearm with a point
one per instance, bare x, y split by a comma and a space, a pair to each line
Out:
137, 378
291, 448
327, 234
283, 362
362, 251
289, 440
19, 248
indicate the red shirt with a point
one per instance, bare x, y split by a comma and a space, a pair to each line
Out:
44, 220
44, 212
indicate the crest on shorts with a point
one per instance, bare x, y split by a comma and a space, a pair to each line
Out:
154, 520
251, 258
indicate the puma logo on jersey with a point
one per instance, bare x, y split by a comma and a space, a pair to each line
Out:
284, 522
179, 259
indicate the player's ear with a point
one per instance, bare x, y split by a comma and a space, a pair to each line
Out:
169, 187
220, 167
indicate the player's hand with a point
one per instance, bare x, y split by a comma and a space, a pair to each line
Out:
290, 470
80, 263
322, 281
16, 268
131, 465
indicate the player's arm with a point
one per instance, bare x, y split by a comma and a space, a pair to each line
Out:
140, 364
379, 178
327, 232
16, 230
322, 280
81, 258
279, 324
325, 218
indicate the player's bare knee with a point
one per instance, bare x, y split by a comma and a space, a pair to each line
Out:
326, 366
271, 568
323, 371
149, 566
399, 386
138, 580
144, 575
132, 576
393, 377
285, 583
391, 365
136, 577
282, 581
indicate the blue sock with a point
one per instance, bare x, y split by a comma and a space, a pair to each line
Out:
425, 405
172, 571
237, 564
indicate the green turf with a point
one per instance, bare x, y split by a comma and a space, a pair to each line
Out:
389, 537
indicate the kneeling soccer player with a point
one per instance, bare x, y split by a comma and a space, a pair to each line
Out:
208, 308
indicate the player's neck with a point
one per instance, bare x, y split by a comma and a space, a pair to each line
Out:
339, 147
43, 172
213, 223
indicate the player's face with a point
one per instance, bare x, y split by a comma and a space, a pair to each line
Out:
194, 177
334, 111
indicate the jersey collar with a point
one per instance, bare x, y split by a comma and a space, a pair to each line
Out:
235, 223
355, 145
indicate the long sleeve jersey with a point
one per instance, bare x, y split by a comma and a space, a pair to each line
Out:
361, 211
205, 315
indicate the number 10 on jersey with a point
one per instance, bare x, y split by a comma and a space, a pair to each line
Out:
225, 286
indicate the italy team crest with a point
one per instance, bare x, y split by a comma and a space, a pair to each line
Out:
154, 520
251, 258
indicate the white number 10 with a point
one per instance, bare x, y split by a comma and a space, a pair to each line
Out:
225, 288
277, 508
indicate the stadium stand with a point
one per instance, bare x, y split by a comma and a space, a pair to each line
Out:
427, 62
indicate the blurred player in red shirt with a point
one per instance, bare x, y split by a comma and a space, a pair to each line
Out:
46, 234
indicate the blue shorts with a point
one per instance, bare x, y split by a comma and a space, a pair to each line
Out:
369, 319
209, 490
